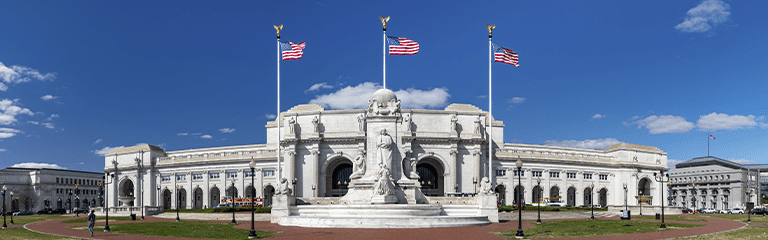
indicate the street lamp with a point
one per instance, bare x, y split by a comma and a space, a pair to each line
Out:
4, 189
233, 200
69, 191
142, 207
178, 201
693, 196
626, 207
749, 214
252, 165
591, 193
11, 207
660, 178
538, 184
519, 234
106, 196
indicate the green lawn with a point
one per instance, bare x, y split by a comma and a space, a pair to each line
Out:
552, 209
744, 233
99, 219
737, 217
33, 218
184, 229
673, 218
22, 233
586, 228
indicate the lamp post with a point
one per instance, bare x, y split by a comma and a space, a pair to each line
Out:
626, 207
660, 178
4, 189
519, 234
142, 207
178, 202
749, 214
693, 196
233, 200
69, 191
11, 207
252, 164
591, 193
106, 197
538, 211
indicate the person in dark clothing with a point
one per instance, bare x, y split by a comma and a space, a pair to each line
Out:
91, 221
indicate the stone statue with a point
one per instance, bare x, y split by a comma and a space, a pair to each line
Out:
384, 147
407, 122
409, 168
361, 121
454, 122
291, 122
358, 170
486, 188
478, 126
384, 185
315, 123
284, 188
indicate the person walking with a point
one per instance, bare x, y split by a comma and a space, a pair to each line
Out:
91, 221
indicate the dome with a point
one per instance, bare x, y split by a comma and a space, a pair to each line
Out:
384, 96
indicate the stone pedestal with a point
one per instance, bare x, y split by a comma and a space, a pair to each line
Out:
281, 207
488, 206
383, 199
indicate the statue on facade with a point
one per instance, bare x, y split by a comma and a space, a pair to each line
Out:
361, 121
384, 147
384, 185
407, 122
454, 123
291, 123
409, 168
478, 126
284, 188
358, 169
384, 103
315, 123
486, 188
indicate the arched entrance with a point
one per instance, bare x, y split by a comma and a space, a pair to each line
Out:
269, 191
501, 193
603, 197
232, 193
198, 199
537, 194
588, 196
58, 204
337, 177
86, 203
571, 195
167, 199
554, 192
215, 198
644, 189
93, 202
430, 176
182, 199
519, 198
250, 192
15, 204
126, 190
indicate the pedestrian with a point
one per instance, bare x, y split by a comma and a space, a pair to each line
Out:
91, 221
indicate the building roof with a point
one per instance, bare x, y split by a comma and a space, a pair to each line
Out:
709, 160
50, 169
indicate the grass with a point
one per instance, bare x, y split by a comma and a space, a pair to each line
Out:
22, 233
751, 232
587, 228
551, 209
184, 229
737, 217
99, 219
34, 218
673, 218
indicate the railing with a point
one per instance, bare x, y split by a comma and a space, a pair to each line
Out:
220, 155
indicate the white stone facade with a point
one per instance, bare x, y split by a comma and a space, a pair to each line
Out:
50, 187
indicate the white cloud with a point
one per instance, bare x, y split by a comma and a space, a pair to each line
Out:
517, 100
672, 162
38, 165
9, 110
227, 130
53, 116
105, 150
586, 144
270, 116
665, 124
80, 163
195, 134
33, 122
206, 136
598, 116
718, 121
742, 161
48, 125
182, 134
48, 97
318, 86
3, 150
8, 132
356, 97
19, 74
98, 141
702, 17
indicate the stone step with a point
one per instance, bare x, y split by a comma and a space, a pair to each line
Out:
383, 221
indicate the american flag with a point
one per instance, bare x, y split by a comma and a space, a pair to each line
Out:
504, 55
712, 137
402, 46
292, 50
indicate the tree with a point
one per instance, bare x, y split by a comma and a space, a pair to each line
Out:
28, 197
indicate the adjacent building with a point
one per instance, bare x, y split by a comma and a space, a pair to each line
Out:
711, 182
37, 188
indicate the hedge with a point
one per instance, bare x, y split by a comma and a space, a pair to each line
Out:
227, 209
548, 209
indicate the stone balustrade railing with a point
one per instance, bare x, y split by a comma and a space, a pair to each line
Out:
553, 154
220, 155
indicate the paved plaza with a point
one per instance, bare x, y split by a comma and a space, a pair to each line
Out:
714, 225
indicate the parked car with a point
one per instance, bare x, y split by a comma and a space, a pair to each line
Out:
723, 211
45, 211
59, 211
758, 211
221, 205
736, 210
709, 210
700, 210
568, 205
22, 213
555, 204
83, 211
686, 210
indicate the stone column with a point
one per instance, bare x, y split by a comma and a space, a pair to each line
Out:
315, 173
259, 182
454, 171
511, 183
190, 192
580, 189
174, 192
545, 183
290, 159
476, 160
206, 190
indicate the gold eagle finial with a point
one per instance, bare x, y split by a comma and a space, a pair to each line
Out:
280, 28
384, 21
490, 29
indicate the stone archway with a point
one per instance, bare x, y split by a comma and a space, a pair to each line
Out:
214, 198
644, 189
603, 197
250, 192
269, 192
501, 193
231, 194
58, 204
588, 196
554, 193
431, 177
182, 199
337, 177
571, 196
537, 194
519, 197
126, 190
197, 199
167, 199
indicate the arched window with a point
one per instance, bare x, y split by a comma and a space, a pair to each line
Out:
427, 176
341, 176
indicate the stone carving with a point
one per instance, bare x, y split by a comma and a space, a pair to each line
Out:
361, 121
291, 123
407, 122
454, 123
384, 147
358, 170
409, 168
478, 126
384, 185
384, 103
315, 123
487, 187
284, 188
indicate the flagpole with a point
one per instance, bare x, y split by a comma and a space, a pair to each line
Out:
708, 137
490, 107
384, 49
277, 118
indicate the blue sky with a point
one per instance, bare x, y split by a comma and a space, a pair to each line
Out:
79, 78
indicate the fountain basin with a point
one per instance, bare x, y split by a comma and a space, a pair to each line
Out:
383, 216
